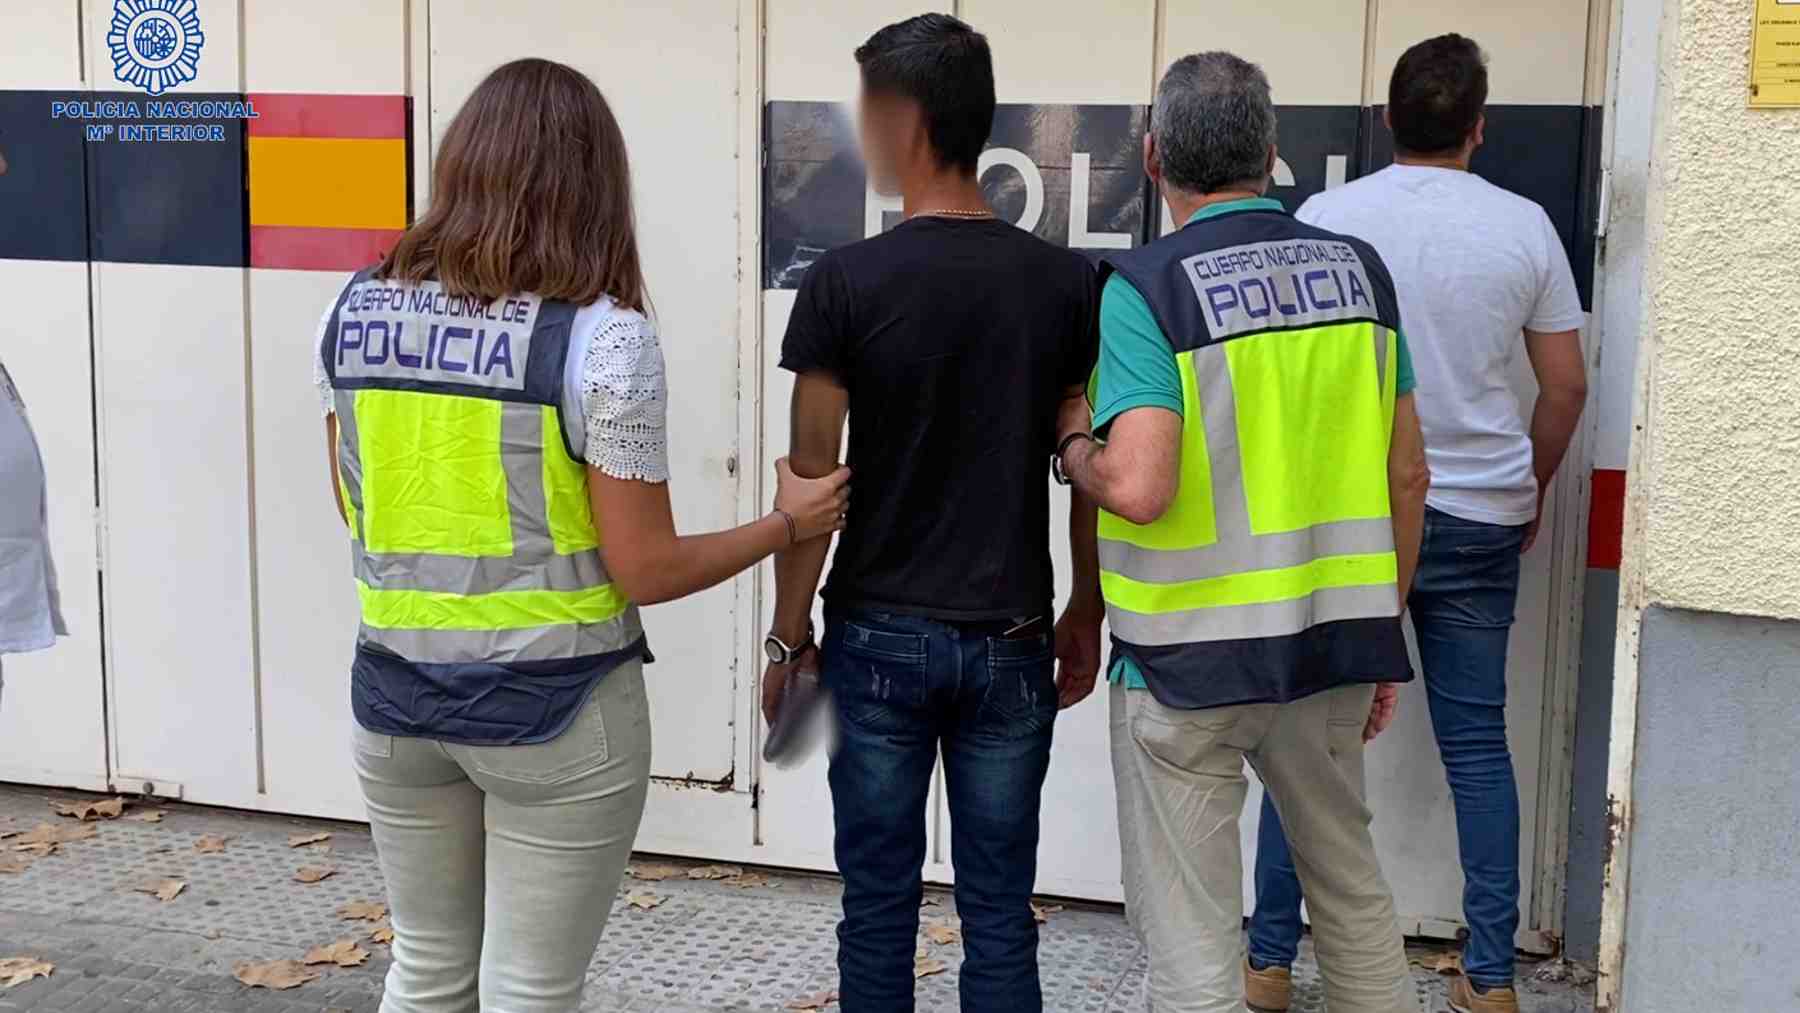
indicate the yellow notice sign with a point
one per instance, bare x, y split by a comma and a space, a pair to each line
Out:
1775, 54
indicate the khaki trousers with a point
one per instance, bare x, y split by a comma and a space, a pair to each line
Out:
1181, 785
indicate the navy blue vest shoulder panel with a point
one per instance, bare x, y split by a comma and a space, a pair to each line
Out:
1254, 271
389, 335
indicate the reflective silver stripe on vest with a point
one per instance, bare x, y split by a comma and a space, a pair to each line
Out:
1265, 619
1383, 338
1243, 555
402, 571
349, 452
537, 643
1238, 550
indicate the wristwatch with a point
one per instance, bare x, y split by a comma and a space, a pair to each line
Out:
1056, 460
780, 652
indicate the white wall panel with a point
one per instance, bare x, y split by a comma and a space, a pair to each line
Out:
809, 47
170, 345
366, 40
52, 56
307, 614
1312, 50
1042, 54
684, 170
52, 728
1537, 49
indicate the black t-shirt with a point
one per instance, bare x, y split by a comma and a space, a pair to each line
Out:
956, 340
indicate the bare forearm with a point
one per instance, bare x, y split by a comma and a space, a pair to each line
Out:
690, 563
797, 572
1084, 551
1409, 531
1103, 476
1553, 421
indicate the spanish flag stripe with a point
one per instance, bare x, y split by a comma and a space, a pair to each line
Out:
328, 182
295, 115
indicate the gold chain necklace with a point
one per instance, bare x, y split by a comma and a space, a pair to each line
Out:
953, 213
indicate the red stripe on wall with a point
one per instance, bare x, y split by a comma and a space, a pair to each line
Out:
304, 248
290, 115
1606, 519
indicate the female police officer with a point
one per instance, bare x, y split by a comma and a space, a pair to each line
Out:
495, 409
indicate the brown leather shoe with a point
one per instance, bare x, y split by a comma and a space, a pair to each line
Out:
1465, 999
1270, 989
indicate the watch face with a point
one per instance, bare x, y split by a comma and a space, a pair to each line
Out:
776, 651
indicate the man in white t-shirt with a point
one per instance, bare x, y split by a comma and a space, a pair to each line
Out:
1481, 275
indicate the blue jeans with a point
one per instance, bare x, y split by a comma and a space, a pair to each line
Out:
1462, 609
904, 687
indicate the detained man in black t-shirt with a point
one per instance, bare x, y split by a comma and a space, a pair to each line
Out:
949, 342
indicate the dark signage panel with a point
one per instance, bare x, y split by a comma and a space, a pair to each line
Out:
1073, 174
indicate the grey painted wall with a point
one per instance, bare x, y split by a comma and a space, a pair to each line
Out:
1593, 733
1714, 904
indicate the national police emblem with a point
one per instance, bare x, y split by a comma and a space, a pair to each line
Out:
155, 43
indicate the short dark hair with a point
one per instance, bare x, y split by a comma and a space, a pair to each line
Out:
945, 66
1436, 94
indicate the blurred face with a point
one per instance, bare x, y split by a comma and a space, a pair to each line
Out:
888, 130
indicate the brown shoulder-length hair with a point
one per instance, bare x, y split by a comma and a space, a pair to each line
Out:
531, 193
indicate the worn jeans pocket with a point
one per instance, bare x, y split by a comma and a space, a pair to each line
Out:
580, 749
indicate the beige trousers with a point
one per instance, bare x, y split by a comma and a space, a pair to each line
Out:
1181, 785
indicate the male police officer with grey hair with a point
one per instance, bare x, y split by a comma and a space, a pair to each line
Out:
1261, 486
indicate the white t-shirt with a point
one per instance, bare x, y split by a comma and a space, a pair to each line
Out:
615, 396
1474, 266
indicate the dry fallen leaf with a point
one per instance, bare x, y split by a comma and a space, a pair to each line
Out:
276, 974
105, 809
362, 911
210, 844
750, 879
161, 889
12, 865
302, 840
714, 872
1447, 963
313, 873
145, 816
383, 933
943, 934
40, 849
925, 967
54, 834
818, 1000
19, 970
1042, 912
643, 901
652, 873
930, 902
343, 953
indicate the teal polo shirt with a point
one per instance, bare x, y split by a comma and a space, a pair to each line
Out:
1137, 367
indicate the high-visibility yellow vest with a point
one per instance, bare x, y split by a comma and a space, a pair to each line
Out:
1272, 575
474, 546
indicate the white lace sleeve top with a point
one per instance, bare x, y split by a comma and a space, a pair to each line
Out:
615, 395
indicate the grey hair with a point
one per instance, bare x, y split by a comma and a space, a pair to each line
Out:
1214, 121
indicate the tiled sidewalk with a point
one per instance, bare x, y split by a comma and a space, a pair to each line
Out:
709, 945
